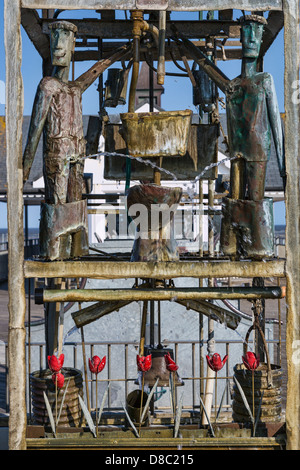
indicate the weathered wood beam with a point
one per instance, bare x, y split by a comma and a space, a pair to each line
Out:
122, 29
152, 270
292, 152
175, 5
16, 291
100, 309
32, 24
173, 294
83, 55
272, 29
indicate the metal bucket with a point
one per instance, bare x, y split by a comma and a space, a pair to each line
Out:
41, 381
116, 87
159, 369
271, 402
163, 134
133, 406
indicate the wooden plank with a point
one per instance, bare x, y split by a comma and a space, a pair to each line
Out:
272, 29
175, 5
152, 270
254, 443
32, 24
204, 293
118, 29
83, 55
16, 306
292, 149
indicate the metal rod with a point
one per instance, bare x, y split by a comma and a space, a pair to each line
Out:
143, 328
161, 48
90, 295
137, 17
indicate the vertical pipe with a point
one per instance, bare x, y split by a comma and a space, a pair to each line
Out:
109, 372
92, 380
151, 85
137, 17
126, 371
193, 375
16, 290
152, 339
135, 74
143, 328
209, 386
84, 360
279, 327
201, 323
29, 340
161, 48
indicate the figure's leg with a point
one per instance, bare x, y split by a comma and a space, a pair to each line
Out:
237, 179
75, 190
255, 176
75, 182
56, 172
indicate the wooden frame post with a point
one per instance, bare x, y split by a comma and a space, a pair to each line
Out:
17, 303
14, 117
292, 51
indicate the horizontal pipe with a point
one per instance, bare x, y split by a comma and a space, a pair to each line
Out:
91, 295
152, 270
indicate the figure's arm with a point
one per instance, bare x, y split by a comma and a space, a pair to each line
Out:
87, 79
38, 118
275, 122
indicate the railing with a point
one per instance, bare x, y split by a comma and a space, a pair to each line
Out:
193, 378
27, 244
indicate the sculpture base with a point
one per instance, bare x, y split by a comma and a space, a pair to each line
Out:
64, 230
247, 228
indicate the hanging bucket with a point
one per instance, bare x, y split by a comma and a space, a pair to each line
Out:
41, 381
133, 406
163, 134
271, 402
116, 87
159, 369
267, 382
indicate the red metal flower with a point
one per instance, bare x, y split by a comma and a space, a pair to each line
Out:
251, 360
171, 365
215, 362
144, 362
97, 365
56, 364
58, 379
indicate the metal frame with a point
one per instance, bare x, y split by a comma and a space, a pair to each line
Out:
14, 100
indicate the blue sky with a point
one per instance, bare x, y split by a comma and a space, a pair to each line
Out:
178, 91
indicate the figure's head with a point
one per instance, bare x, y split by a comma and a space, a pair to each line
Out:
252, 28
62, 41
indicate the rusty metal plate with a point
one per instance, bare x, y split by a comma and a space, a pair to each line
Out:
202, 150
157, 134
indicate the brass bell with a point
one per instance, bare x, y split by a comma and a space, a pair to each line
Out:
159, 368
